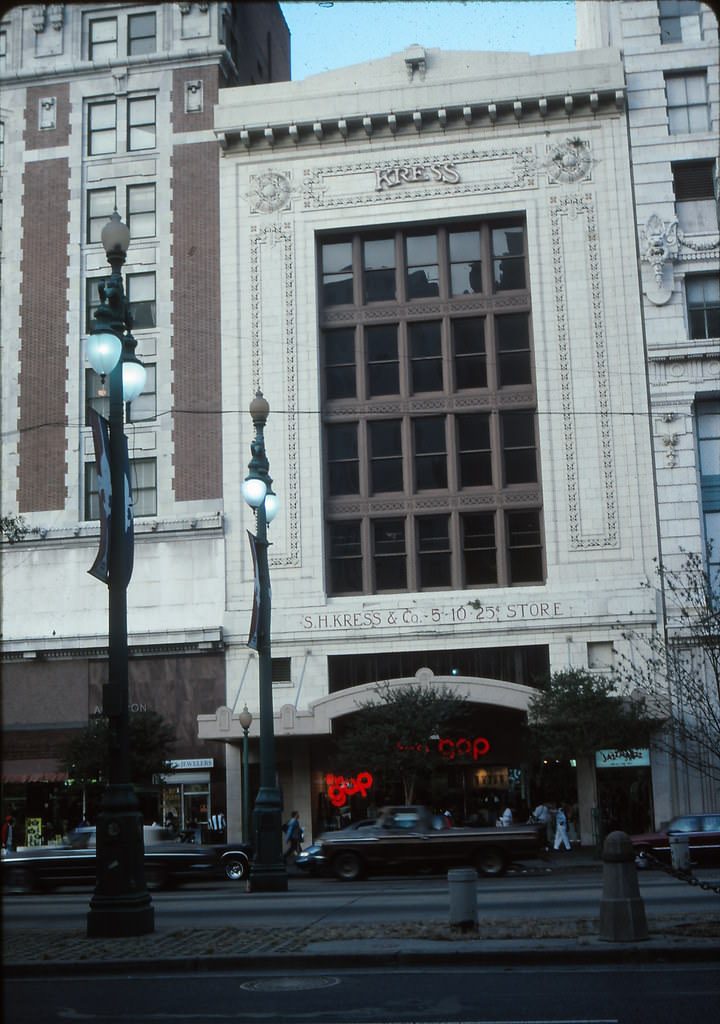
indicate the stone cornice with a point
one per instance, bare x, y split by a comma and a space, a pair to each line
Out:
147, 644
413, 121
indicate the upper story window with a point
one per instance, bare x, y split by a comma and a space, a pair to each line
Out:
695, 187
105, 36
140, 291
102, 39
140, 210
141, 34
112, 120
429, 410
687, 102
143, 482
679, 20
703, 305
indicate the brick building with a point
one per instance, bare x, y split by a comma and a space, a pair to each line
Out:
105, 106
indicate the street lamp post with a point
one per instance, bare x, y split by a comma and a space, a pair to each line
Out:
245, 721
121, 904
267, 871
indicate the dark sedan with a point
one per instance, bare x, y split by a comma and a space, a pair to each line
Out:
702, 832
168, 863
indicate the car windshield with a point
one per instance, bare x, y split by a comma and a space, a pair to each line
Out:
691, 824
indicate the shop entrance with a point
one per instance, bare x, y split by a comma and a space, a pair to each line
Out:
186, 797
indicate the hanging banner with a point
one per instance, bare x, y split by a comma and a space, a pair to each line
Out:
101, 567
101, 443
253, 638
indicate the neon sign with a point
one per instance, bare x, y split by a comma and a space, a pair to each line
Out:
450, 749
340, 788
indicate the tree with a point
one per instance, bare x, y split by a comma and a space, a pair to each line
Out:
395, 735
86, 755
676, 672
579, 712
13, 527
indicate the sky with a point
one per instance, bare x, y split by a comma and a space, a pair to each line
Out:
325, 36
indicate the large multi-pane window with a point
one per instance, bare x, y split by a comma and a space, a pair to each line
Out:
703, 305
429, 409
687, 102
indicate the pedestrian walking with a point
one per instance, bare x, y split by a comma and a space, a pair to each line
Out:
293, 837
561, 835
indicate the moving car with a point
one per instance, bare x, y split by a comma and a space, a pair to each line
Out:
703, 835
311, 858
168, 862
411, 838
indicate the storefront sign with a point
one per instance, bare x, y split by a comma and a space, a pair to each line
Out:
340, 788
193, 762
450, 749
33, 832
622, 758
406, 174
453, 615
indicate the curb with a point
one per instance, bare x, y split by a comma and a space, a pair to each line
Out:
424, 952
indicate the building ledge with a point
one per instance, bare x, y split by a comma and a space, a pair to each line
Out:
167, 642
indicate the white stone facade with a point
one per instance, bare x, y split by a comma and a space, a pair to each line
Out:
323, 155
683, 363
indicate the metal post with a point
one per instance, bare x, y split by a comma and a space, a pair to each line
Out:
267, 871
120, 904
246, 786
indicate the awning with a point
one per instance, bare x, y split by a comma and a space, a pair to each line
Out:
37, 770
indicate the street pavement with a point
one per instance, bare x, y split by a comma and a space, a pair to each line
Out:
33, 952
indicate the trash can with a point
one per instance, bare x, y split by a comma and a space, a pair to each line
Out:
462, 883
679, 852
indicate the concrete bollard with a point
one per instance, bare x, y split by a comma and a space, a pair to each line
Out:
679, 853
622, 911
462, 883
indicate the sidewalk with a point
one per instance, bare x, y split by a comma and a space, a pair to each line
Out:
680, 937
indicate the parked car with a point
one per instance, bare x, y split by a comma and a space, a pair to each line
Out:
703, 835
311, 859
411, 838
168, 862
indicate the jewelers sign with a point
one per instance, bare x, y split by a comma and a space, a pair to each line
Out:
622, 758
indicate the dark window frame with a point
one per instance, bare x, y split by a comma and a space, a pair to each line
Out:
369, 378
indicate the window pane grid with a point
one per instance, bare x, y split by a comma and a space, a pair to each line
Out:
476, 370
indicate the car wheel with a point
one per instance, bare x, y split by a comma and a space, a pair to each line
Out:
155, 878
235, 867
348, 867
18, 880
490, 861
642, 859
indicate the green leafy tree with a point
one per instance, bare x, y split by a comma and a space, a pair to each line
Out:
676, 671
86, 756
579, 712
394, 735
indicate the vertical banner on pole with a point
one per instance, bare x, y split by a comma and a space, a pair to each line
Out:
253, 638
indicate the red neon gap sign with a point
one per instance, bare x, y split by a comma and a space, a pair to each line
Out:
450, 749
340, 788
